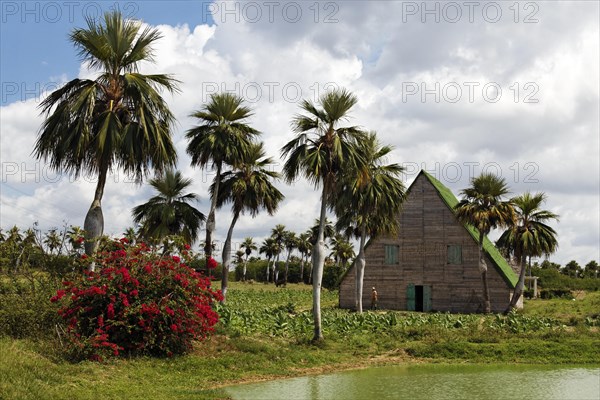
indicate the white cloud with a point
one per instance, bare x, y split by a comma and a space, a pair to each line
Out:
551, 146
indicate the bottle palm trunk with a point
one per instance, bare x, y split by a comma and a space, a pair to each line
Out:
227, 257
94, 219
318, 260
210, 221
360, 270
484, 280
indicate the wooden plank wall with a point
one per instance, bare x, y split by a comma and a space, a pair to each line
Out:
427, 227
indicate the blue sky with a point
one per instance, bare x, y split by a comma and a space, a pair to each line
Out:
35, 49
517, 95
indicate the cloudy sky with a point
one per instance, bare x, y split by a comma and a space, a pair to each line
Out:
457, 88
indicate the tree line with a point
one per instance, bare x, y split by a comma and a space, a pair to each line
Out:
119, 120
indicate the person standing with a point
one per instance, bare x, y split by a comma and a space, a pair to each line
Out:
374, 299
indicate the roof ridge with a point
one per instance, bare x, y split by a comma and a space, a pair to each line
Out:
493, 253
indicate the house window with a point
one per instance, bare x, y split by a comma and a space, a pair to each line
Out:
391, 254
454, 254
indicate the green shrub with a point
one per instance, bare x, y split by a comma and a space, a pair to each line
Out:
556, 294
25, 309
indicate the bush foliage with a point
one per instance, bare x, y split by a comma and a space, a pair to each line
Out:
137, 303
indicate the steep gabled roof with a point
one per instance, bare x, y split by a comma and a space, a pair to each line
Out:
498, 260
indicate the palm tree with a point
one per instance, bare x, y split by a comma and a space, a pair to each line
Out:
248, 188
222, 138
319, 152
239, 258
369, 201
290, 242
278, 233
304, 246
530, 236
270, 247
342, 250
329, 231
130, 234
53, 241
248, 247
117, 121
169, 212
483, 207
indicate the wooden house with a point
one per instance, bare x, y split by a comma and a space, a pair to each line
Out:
432, 263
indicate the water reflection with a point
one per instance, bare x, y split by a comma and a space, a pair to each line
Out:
435, 382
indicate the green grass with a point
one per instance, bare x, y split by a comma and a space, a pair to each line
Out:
584, 305
266, 331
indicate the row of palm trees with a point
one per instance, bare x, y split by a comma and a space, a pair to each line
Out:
119, 120
485, 206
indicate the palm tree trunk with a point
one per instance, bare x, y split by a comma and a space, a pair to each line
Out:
268, 269
318, 261
210, 221
483, 269
520, 285
275, 269
287, 265
245, 266
302, 268
360, 270
227, 257
94, 219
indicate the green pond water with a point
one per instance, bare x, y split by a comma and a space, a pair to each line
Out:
435, 382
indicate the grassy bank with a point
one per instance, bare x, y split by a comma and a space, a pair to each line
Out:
265, 333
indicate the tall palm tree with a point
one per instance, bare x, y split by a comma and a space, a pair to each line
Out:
130, 234
170, 211
329, 231
530, 236
290, 242
222, 138
483, 206
341, 250
278, 233
117, 121
320, 151
53, 241
269, 248
369, 201
304, 246
248, 246
249, 188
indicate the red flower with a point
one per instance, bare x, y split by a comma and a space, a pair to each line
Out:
59, 295
124, 240
211, 263
110, 311
187, 246
84, 256
176, 259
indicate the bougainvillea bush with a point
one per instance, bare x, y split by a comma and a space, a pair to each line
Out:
137, 302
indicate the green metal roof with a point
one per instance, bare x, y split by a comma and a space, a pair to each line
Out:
498, 260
